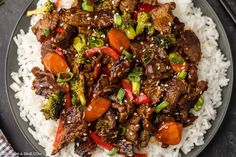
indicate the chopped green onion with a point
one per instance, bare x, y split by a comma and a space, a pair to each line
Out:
147, 57
74, 100
46, 32
130, 32
118, 19
182, 75
161, 106
134, 77
199, 104
86, 6
121, 94
113, 151
95, 42
176, 58
136, 87
79, 43
64, 77
122, 129
127, 54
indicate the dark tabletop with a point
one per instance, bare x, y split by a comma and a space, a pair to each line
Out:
222, 145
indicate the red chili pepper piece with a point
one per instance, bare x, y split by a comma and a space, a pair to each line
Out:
142, 99
110, 52
139, 155
145, 7
92, 52
58, 134
98, 140
97, 70
128, 89
59, 30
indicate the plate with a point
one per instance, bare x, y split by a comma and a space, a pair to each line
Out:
11, 65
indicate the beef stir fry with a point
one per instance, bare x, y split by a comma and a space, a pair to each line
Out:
117, 72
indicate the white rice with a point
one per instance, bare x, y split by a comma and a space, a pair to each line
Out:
213, 68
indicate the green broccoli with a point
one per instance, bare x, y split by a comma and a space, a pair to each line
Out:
54, 106
48, 7
78, 87
144, 22
166, 41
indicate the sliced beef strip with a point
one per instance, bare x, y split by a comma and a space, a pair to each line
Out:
64, 38
175, 89
162, 17
125, 147
152, 89
48, 22
84, 146
73, 126
45, 84
81, 18
190, 44
128, 5
133, 127
124, 110
120, 69
106, 127
47, 46
103, 88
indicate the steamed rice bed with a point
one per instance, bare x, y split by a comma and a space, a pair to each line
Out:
212, 67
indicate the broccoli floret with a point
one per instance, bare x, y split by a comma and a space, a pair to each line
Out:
54, 106
144, 22
166, 41
78, 87
48, 7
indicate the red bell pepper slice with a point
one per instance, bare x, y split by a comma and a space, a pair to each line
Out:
92, 52
67, 100
140, 155
128, 89
58, 134
142, 99
98, 140
59, 30
110, 52
147, 8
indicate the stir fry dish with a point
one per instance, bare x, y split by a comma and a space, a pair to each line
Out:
116, 73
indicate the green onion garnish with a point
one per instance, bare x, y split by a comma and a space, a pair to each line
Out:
46, 32
74, 100
86, 6
95, 42
127, 54
121, 94
175, 58
161, 106
79, 43
130, 32
113, 151
133, 77
64, 77
122, 130
199, 104
181, 75
118, 19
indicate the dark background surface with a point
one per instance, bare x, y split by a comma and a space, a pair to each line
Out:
222, 145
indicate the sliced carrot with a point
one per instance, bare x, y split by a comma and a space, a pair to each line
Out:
179, 67
118, 40
54, 63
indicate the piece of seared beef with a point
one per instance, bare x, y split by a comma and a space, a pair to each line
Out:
125, 147
192, 76
85, 31
190, 45
77, 4
125, 109
84, 146
175, 89
47, 23
128, 5
133, 127
163, 18
81, 18
153, 90
73, 126
106, 126
177, 27
120, 69
47, 46
45, 84
64, 38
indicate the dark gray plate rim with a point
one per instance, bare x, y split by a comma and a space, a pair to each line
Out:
221, 111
